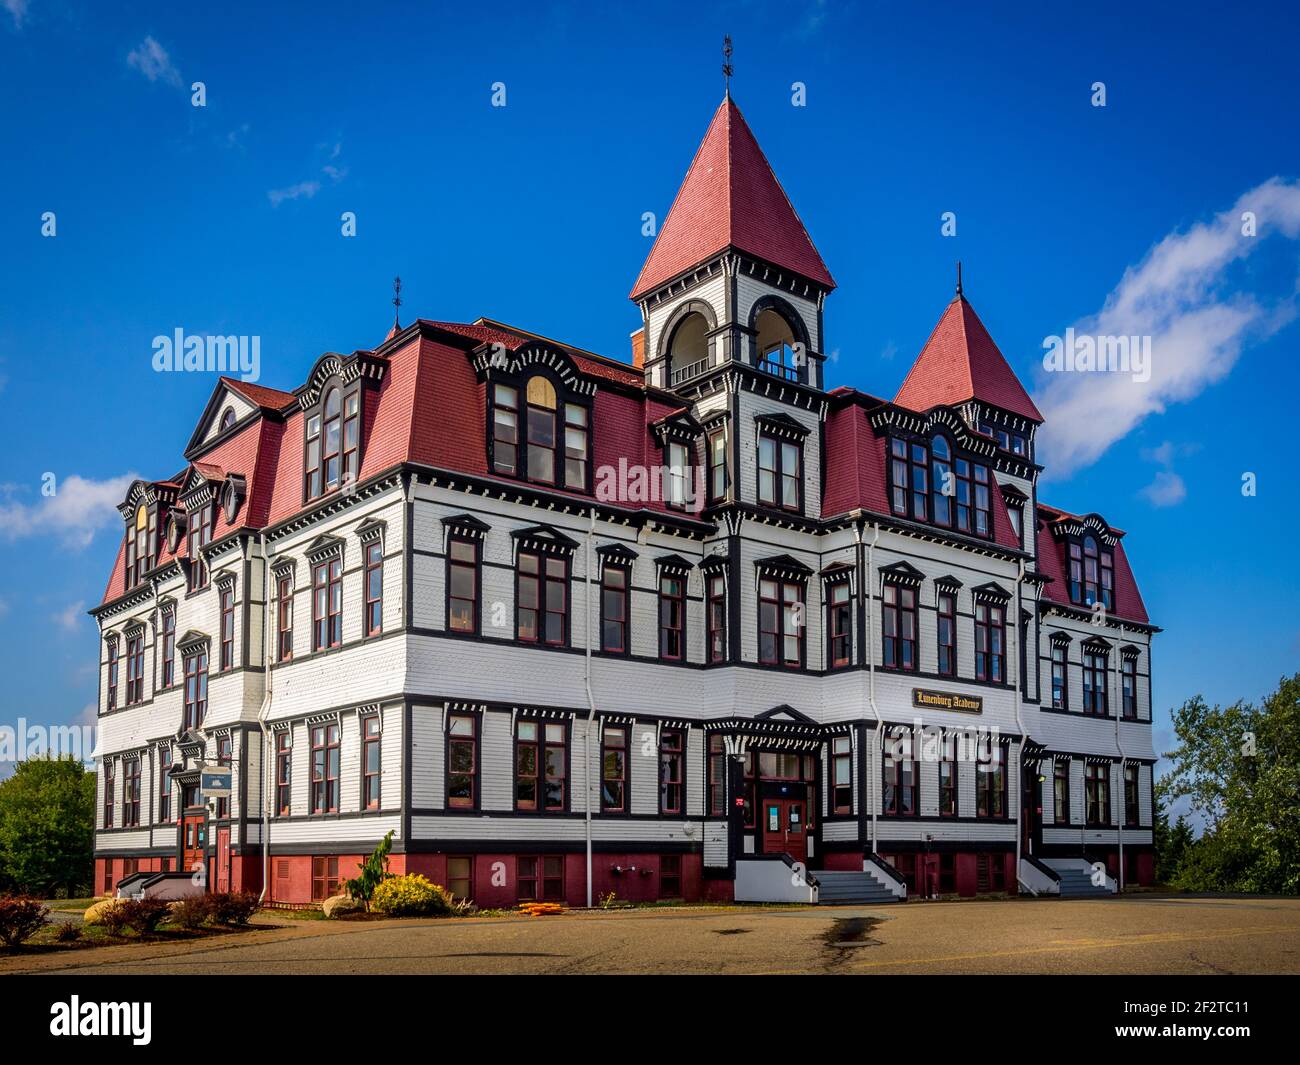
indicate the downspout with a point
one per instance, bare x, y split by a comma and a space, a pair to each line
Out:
262, 716
1119, 746
1021, 655
591, 708
868, 588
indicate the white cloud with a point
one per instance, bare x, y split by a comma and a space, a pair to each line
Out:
71, 616
16, 8
151, 59
79, 508
1166, 490
235, 138
1177, 296
293, 192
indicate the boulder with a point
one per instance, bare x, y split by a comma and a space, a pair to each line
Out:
338, 905
95, 912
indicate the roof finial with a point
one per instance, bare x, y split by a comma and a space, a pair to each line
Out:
726, 62
397, 302
959, 295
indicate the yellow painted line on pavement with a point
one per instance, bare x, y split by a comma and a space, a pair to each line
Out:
1067, 946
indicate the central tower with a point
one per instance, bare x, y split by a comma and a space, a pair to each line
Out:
733, 276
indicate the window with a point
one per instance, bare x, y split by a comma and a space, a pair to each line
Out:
135, 668
460, 877
284, 618
990, 642
1094, 681
946, 628
198, 533
948, 777
109, 792
1096, 793
227, 419
780, 465
898, 626
225, 755
140, 540
164, 785
1092, 573
374, 588
839, 623
1017, 516
983, 519
672, 617
462, 761
196, 688
670, 876
325, 880
551, 867
505, 430
1128, 680
1061, 791
311, 474
941, 483
168, 648
575, 446
1060, 676
779, 360
678, 461
351, 437
131, 794
325, 769
541, 761
780, 623
541, 430
283, 772
717, 617
613, 609
717, 453
333, 408
112, 674
991, 782
717, 776
327, 604
227, 595
542, 595
462, 585
370, 762
613, 770
671, 777
842, 775
898, 791
1130, 794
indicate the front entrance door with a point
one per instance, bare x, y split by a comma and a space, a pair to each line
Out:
194, 841
223, 859
784, 830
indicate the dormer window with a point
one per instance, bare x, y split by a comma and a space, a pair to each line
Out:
199, 533
140, 540
928, 484
333, 435
1092, 573
780, 471
534, 454
227, 419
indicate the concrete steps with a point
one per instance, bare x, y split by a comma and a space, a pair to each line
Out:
1076, 884
839, 887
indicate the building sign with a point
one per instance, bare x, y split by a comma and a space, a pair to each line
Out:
924, 699
215, 783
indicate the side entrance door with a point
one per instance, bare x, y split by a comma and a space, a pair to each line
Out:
784, 828
194, 840
223, 859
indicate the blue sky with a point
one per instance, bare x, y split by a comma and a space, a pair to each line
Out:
226, 219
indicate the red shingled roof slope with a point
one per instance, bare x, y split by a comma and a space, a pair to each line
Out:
730, 198
1052, 563
959, 362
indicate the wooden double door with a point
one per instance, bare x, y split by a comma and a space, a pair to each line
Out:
784, 825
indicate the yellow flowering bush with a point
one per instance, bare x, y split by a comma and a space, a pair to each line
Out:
412, 895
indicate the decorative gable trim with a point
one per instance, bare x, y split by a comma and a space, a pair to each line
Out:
616, 554
782, 425
902, 573
785, 712
673, 564
783, 567
193, 640
679, 427
947, 581
371, 529
323, 547
466, 525
714, 563
992, 592
545, 539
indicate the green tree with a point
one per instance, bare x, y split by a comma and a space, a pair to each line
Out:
374, 871
47, 826
1239, 766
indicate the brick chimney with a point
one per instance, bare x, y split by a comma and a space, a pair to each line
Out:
638, 348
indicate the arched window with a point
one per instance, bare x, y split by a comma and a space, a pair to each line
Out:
1090, 570
776, 342
942, 485
333, 410
227, 418
139, 541
688, 349
541, 430
333, 441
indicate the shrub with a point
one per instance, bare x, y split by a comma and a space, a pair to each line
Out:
412, 895
68, 932
191, 912
374, 871
231, 907
21, 917
113, 918
144, 915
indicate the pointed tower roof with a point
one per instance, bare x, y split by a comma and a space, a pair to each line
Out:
960, 362
730, 198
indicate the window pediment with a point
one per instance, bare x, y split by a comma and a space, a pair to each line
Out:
616, 554
323, 547
902, 573
544, 538
466, 525
784, 567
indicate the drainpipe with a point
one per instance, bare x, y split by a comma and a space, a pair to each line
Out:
868, 587
1119, 746
1020, 721
262, 715
591, 708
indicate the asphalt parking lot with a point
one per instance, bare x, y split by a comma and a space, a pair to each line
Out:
1136, 935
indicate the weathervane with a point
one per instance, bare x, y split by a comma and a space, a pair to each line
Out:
726, 62
397, 302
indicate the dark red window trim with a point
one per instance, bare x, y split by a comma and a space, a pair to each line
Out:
672, 617
109, 789
777, 601
614, 602
196, 688
462, 601
614, 744
325, 757
949, 784
111, 695
672, 778
542, 599
1096, 793
899, 785
839, 623
284, 772
990, 641
168, 648
541, 765
135, 669
227, 596
1130, 794
225, 756
462, 762
131, 794
371, 762
946, 631
1128, 686
775, 481
1061, 791
164, 785
898, 627
546, 870
842, 775
716, 608
327, 604
284, 618
991, 783
374, 588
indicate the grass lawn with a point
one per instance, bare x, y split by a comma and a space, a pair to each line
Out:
71, 905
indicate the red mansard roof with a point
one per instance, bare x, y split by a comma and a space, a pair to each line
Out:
959, 362
730, 198
1052, 563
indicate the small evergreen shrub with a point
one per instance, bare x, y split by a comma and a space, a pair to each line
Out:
412, 895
